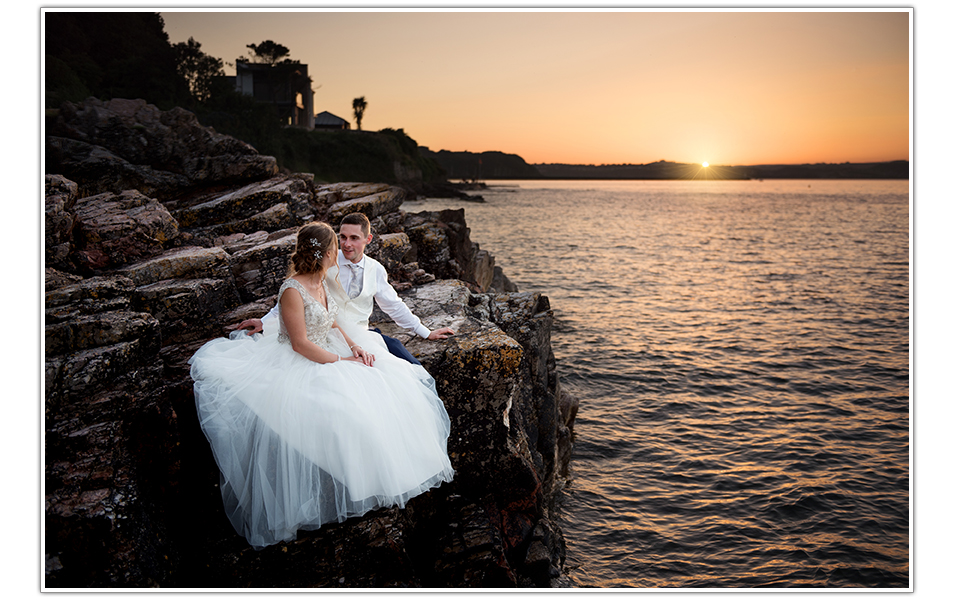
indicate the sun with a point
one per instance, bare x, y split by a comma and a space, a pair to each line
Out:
705, 164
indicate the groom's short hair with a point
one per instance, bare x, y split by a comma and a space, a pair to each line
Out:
357, 218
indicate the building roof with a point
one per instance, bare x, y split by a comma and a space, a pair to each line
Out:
326, 118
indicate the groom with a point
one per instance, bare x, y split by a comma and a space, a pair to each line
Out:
363, 281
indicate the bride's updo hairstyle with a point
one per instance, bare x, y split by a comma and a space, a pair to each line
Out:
315, 240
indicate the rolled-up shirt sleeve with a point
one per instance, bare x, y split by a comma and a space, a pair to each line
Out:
395, 308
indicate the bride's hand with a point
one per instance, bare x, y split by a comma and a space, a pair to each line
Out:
363, 355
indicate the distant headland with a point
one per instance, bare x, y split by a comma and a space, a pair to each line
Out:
499, 165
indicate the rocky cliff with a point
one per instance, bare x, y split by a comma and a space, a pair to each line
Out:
160, 235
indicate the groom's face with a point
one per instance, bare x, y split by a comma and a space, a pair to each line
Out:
352, 241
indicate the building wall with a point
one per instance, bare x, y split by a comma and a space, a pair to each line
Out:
280, 85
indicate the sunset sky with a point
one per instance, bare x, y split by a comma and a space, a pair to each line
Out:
726, 87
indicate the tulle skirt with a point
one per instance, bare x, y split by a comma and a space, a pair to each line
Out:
300, 444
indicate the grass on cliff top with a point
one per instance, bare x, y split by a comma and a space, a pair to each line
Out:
335, 156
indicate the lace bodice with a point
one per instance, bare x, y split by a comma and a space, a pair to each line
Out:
318, 321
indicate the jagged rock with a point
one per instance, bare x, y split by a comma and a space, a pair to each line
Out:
390, 249
501, 283
392, 222
430, 248
372, 206
391, 246
470, 551
92, 336
568, 407
260, 270
546, 544
325, 197
87, 296
143, 134
235, 243
527, 318
440, 242
188, 309
349, 191
60, 199
115, 229
172, 151
100, 329
131, 485
275, 218
507, 437
241, 206
478, 368
54, 279
252, 310
97, 509
98, 171
186, 262
95, 368
483, 270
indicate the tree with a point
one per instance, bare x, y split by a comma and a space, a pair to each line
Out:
359, 104
198, 68
111, 55
268, 52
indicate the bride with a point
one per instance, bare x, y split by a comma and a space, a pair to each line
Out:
308, 427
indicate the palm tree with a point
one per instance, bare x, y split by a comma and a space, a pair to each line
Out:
359, 104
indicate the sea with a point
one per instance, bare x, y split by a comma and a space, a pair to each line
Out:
741, 353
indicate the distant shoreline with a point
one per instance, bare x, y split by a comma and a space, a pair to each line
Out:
487, 166
487, 179
684, 171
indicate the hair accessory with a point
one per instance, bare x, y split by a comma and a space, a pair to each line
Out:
316, 244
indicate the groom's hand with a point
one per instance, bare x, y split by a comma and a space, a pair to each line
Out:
441, 334
254, 324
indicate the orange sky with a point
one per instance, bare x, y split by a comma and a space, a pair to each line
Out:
730, 87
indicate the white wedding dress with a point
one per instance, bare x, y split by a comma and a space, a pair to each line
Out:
299, 443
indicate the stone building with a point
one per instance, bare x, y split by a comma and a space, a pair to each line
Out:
285, 85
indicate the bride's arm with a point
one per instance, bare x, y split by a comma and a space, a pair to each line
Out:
359, 352
293, 313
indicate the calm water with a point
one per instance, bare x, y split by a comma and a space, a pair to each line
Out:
741, 352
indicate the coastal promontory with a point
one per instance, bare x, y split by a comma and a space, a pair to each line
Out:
160, 235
